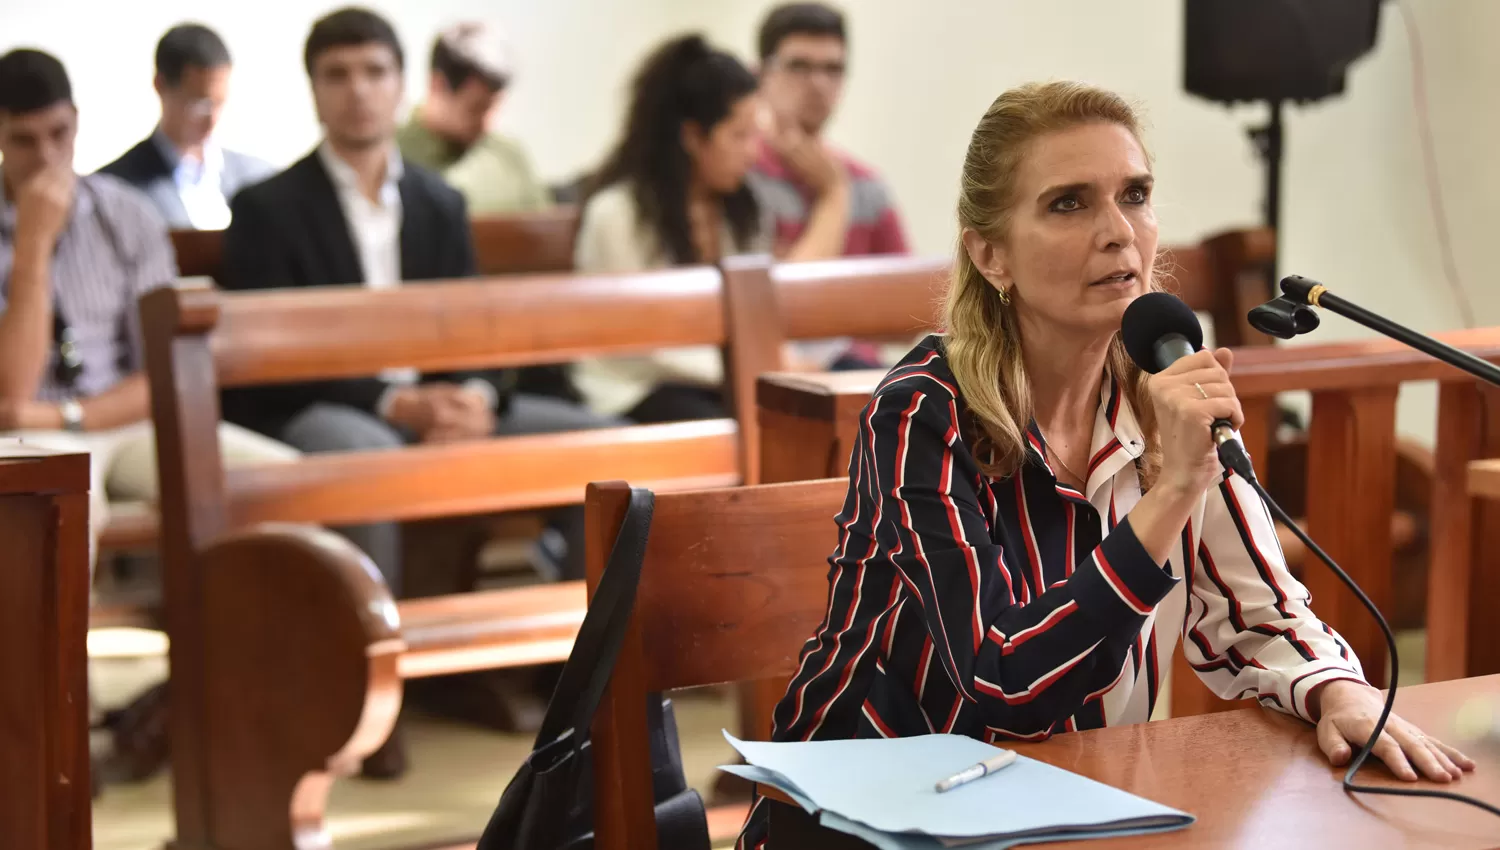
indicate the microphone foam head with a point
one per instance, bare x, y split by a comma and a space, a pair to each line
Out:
1151, 317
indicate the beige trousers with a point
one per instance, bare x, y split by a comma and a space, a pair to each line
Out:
122, 462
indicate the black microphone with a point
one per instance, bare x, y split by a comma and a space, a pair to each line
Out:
1158, 330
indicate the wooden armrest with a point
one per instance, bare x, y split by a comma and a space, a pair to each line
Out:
299, 639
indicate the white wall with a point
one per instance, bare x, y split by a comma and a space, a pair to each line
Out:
1355, 212
575, 57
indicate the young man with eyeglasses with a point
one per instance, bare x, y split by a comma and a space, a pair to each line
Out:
76, 253
189, 178
803, 57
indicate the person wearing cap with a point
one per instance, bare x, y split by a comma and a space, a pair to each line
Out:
449, 132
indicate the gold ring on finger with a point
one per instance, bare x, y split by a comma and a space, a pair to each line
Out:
1200, 389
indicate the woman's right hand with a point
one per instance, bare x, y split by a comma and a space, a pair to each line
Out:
1184, 416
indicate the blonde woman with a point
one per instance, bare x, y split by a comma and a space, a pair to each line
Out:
1032, 523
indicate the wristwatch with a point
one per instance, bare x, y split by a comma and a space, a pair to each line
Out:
72, 415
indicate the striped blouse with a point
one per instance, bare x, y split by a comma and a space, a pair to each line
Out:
1013, 609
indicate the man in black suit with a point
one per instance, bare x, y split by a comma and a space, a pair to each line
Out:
353, 212
189, 178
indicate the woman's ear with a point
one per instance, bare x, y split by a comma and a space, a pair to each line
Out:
988, 258
692, 139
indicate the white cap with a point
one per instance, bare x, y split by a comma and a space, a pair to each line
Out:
483, 45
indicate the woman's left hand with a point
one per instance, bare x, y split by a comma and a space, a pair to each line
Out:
1347, 712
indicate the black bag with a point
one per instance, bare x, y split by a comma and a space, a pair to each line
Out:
549, 803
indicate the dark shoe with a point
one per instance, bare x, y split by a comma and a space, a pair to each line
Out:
388, 762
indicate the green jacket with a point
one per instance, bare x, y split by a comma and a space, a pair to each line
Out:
494, 175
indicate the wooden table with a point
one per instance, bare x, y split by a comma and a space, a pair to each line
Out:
1255, 779
44, 606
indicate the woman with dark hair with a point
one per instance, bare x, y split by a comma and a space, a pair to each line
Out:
675, 192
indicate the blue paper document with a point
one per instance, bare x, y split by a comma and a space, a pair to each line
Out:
882, 790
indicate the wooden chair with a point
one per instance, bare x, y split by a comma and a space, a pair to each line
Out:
287, 649
734, 581
534, 243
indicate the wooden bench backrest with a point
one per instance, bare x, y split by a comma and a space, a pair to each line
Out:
1225, 276
202, 340
733, 582
276, 336
526, 244
533, 243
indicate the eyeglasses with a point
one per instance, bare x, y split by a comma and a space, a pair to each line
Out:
201, 107
806, 68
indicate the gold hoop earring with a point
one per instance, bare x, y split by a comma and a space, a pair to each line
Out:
1004, 296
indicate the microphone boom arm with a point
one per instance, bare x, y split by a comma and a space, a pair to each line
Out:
1301, 290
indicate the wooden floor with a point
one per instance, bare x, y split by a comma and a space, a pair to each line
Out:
458, 771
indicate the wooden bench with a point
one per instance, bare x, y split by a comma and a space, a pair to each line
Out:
733, 582
287, 649
531, 244
534, 243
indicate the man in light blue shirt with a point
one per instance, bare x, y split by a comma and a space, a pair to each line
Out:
189, 178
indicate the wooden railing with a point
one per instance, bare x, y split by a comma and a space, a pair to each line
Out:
808, 427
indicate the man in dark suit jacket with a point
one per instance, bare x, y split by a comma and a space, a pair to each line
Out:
354, 213
188, 177
292, 230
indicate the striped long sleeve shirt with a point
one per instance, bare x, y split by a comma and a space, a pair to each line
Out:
113, 250
1013, 609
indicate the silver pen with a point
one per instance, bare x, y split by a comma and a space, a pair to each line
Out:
978, 771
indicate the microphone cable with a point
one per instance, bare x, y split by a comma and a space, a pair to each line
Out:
1360, 757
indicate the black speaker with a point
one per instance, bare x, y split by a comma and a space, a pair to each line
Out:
1275, 50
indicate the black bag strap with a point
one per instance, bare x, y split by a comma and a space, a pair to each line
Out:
586, 673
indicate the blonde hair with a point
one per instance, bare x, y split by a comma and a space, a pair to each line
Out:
983, 339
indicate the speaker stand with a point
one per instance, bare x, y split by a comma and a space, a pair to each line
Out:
1267, 140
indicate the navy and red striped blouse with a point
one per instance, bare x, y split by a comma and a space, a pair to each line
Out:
1017, 608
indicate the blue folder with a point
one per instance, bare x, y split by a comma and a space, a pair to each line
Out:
881, 790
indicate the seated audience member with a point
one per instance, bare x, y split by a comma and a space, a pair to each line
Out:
1062, 518
448, 133
189, 178
354, 213
75, 255
803, 56
674, 192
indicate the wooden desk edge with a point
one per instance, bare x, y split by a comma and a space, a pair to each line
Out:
35, 470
